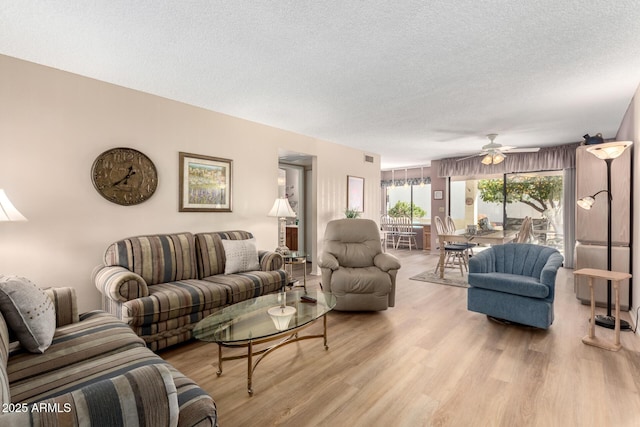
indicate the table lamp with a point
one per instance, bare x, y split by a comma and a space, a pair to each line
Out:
282, 210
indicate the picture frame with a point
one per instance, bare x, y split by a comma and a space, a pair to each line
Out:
205, 183
355, 193
437, 195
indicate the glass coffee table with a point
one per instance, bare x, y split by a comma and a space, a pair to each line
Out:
278, 316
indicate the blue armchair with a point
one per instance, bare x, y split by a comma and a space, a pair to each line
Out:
514, 282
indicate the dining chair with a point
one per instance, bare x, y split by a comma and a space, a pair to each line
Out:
388, 231
451, 228
406, 234
455, 254
525, 234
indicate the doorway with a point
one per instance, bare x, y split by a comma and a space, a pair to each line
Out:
295, 182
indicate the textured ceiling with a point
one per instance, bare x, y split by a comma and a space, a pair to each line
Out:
411, 80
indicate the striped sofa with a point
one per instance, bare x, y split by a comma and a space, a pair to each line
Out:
162, 285
95, 372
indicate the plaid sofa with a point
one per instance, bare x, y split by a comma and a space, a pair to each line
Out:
96, 372
162, 285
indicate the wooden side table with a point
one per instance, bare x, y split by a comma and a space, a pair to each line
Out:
616, 277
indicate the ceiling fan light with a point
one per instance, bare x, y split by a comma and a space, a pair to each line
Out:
487, 160
498, 158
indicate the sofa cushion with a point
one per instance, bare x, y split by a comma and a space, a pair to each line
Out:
174, 300
211, 259
157, 258
510, 283
29, 312
251, 284
367, 280
96, 334
144, 396
240, 256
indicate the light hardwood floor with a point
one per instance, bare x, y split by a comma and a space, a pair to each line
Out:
430, 362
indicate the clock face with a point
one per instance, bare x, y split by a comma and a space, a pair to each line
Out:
124, 176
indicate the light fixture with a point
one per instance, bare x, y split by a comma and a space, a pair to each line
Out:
406, 181
607, 151
282, 210
493, 157
8, 212
393, 178
422, 176
281, 316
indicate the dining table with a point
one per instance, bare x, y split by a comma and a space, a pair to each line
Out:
490, 237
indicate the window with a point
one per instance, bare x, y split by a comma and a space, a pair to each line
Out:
413, 200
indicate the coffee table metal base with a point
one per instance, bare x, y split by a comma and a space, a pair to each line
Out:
290, 337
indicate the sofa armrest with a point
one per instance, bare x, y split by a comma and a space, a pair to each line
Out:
145, 396
66, 305
119, 284
550, 270
270, 261
386, 262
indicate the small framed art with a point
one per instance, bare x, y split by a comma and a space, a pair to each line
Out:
355, 193
205, 183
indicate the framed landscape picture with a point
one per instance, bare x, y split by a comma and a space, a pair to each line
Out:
205, 183
355, 193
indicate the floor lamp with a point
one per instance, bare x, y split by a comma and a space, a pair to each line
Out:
608, 152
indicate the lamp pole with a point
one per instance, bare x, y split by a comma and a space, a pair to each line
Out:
609, 321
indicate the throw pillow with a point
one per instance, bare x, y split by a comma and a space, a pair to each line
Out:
28, 311
241, 256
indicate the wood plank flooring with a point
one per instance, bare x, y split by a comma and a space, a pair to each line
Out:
430, 362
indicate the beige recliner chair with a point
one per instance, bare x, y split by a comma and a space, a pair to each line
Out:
354, 268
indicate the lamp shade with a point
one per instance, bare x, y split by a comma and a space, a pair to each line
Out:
609, 150
498, 157
282, 209
586, 202
281, 316
8, 212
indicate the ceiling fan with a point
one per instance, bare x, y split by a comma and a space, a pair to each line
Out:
494, 153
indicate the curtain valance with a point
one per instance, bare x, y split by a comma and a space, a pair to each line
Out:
548, 158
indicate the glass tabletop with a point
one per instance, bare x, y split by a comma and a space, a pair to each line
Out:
251, 320
293, 255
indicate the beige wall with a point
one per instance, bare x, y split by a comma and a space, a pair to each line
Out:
53, 124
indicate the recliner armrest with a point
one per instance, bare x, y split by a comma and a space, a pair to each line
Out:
327, 260
386, 262
119, 284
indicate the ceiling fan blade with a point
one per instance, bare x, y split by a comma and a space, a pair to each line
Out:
520, 150
470, 157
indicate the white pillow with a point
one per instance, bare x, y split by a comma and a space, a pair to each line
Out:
29, 312
241, 256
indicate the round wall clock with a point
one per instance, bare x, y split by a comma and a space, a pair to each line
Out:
124, 176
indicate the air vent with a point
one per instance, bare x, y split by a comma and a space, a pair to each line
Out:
368, 158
